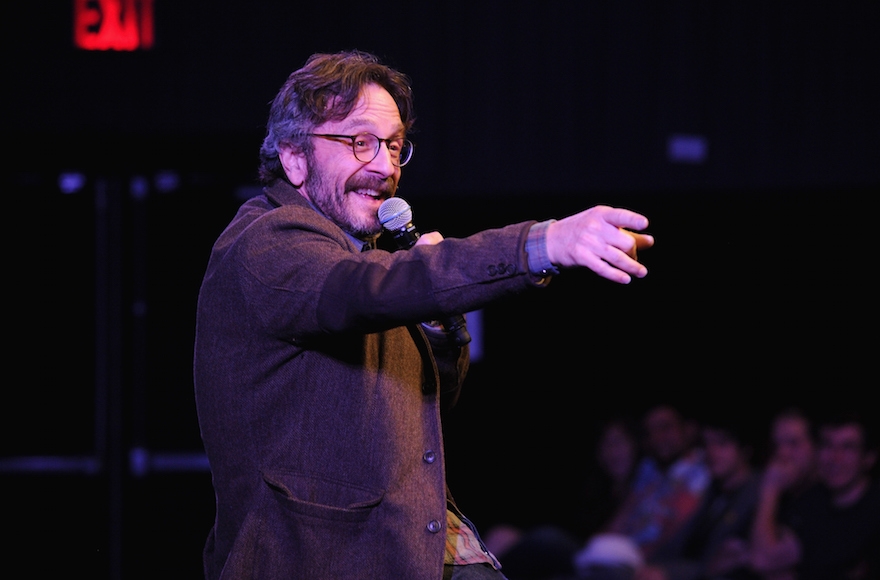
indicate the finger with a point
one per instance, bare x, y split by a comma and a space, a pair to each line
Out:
624, 240
624, 256
614, 257
625, 218
632, 242
615, 265
606, 270
429, 239
643, 241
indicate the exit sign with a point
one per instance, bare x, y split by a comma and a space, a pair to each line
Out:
124, 25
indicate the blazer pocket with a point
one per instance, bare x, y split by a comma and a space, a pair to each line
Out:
322, 497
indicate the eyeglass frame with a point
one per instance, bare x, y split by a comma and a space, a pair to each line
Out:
379, 148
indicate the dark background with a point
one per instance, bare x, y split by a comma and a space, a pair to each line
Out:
761, 289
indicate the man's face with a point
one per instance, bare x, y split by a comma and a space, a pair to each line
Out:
348, 191
666, 437
842, 458
723, 454
617, 452
793, 445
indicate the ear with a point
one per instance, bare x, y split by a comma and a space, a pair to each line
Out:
294, 163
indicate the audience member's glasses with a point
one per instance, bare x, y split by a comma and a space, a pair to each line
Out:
366, 147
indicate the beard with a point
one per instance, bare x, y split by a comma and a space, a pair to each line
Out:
338, 206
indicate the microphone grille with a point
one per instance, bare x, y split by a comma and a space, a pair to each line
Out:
395, 213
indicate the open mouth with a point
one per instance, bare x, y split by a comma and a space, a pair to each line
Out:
369, 194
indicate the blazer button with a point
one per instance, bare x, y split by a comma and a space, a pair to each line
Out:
491, 271
429, 457
434, 526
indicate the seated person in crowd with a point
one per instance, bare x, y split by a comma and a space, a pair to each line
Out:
712, 543
618, 451
792, 463
667, 489
546, 551
833, 532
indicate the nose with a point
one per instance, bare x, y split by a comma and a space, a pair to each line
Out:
381, 163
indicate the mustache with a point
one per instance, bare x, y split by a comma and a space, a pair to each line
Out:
385, 186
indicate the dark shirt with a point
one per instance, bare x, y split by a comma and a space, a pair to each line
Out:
838, 543
727, 510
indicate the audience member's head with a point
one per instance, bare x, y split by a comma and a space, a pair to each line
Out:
791, 466
729, 446
846, 456
617, 449
793, 443
668, 433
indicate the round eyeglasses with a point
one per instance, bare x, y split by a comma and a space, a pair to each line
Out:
365, 147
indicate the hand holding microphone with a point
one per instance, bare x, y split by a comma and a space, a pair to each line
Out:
395, 215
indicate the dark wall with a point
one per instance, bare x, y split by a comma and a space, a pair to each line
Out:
512, 96
760, 289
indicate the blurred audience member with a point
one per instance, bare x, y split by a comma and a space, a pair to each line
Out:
793, 459
546, 551
833, 530
789, 473
618, 451
713, 543
667, 489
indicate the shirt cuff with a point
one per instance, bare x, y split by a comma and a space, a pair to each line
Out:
536, 248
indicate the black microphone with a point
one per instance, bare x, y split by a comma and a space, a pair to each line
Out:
395, 215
